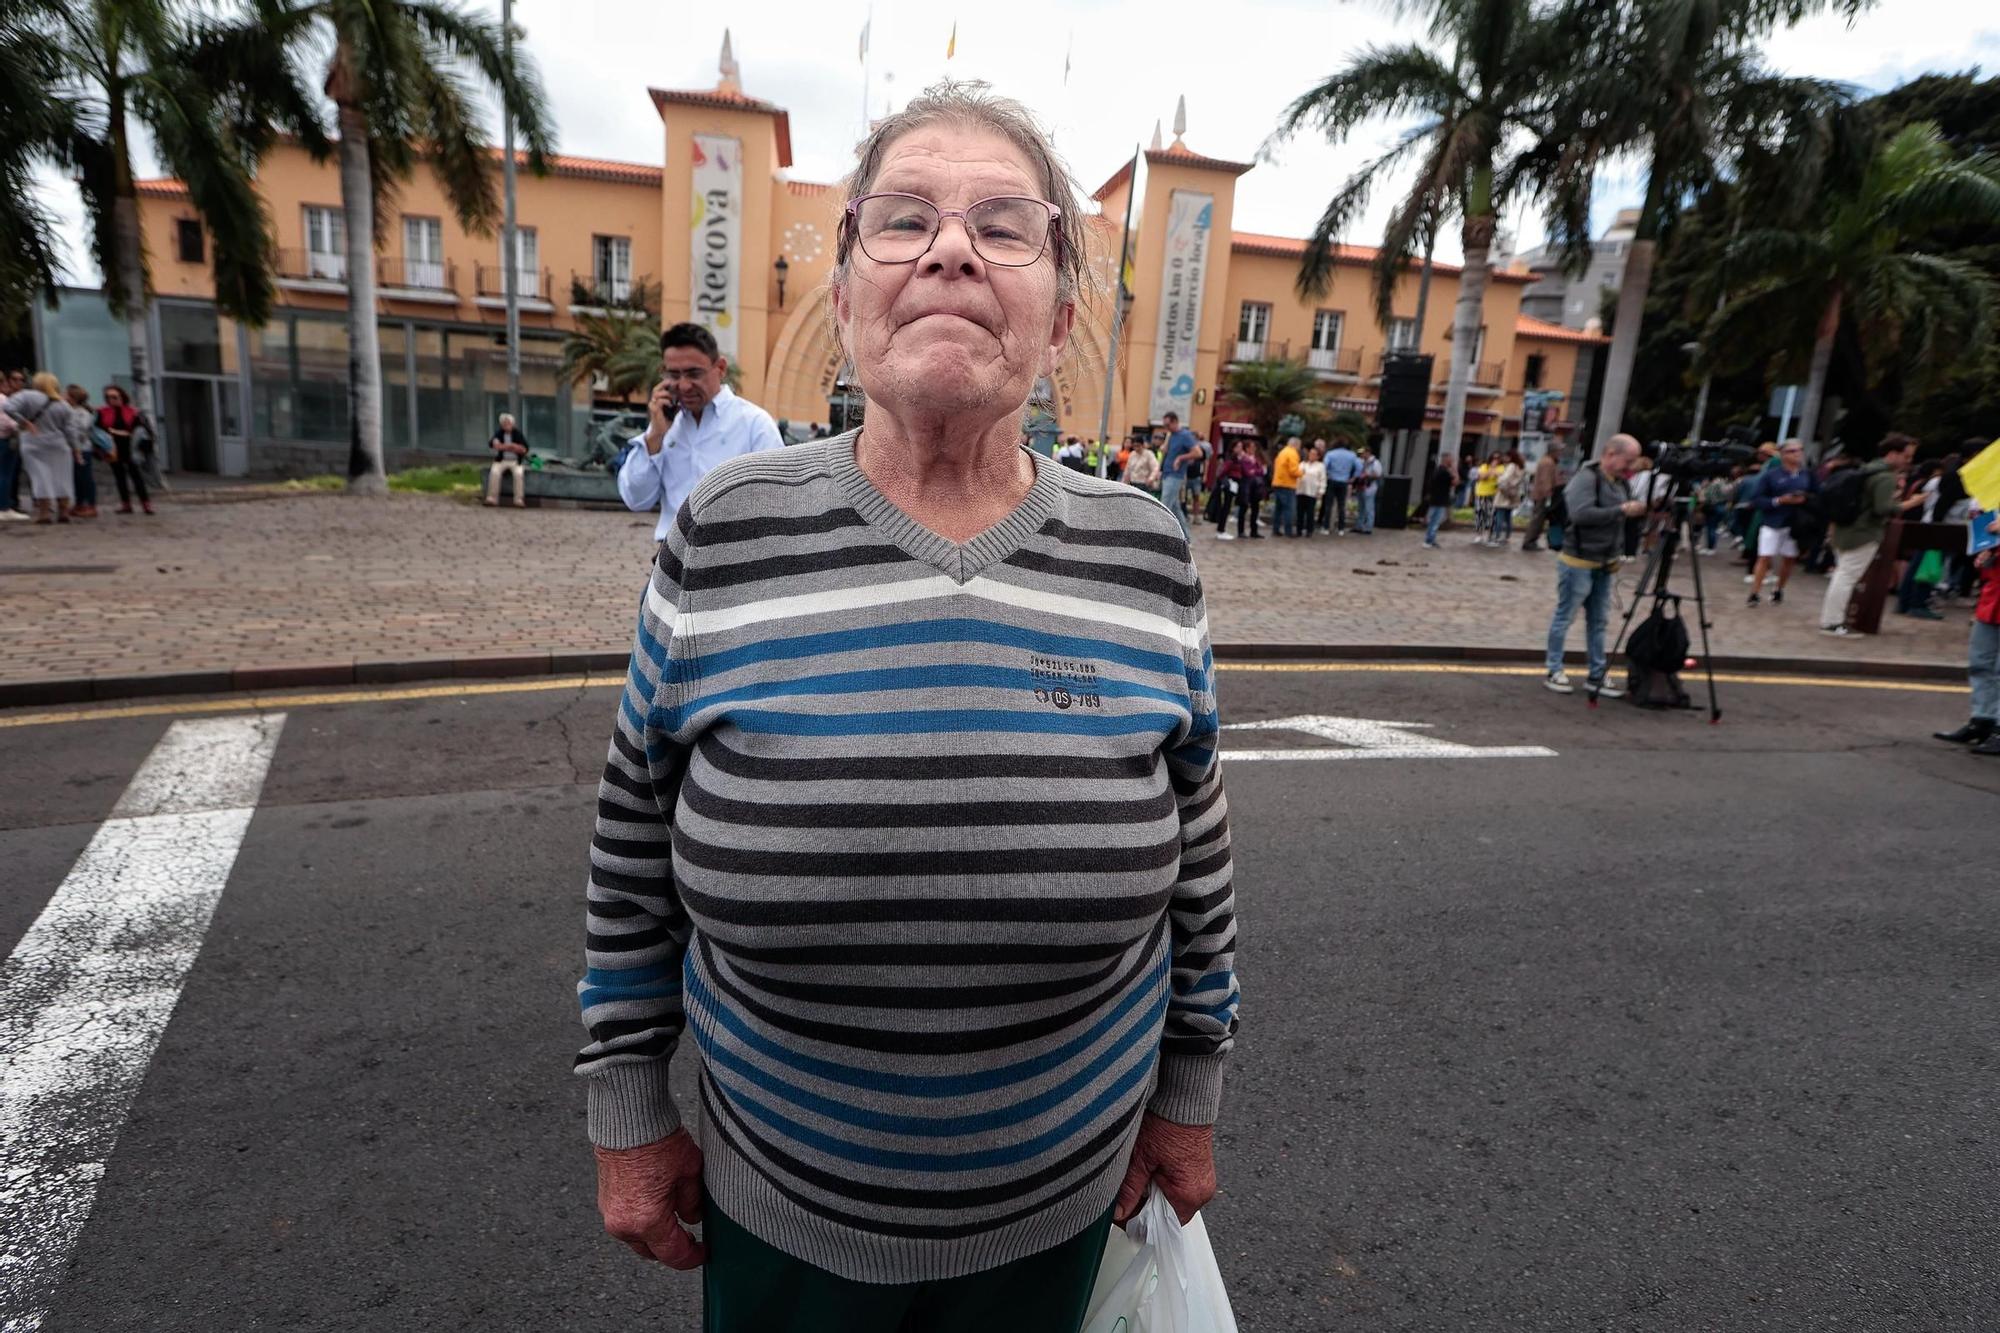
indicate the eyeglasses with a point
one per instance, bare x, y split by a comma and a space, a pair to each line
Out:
691, 376
1009, 230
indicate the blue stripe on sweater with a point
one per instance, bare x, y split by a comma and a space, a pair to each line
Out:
927, 722
918, 1126
1009, 1155
940, 676
711, 1009
947, 630
587, 998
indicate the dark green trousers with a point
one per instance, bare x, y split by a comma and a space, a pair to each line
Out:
749, 1287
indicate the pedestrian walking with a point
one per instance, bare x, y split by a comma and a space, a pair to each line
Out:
10, 455
510, 455
1142, 467
52, 436
1485, 487
1983, 659
1780, 496
1312, 487
1860, 511
1342, 466
1184, 454
1507, 491
1285, 489
84, 474
1547, 476
1593, 545
1255, 476
120, 422
811, 880
1443, 483
695, 423
1367, 486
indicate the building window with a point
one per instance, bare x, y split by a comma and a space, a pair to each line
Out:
611, 267
326, 243
423, 253
1253, 331
1326, 330
1531, 372
527, 262
189, 245
1402, 334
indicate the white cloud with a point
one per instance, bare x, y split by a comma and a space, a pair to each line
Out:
1238, 62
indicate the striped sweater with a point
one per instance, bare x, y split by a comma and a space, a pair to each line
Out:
926, 845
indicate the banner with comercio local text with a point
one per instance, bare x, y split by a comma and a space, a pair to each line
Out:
717, 238
1181, 278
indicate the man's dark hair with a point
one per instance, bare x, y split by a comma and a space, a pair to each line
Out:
1895, 442
696, 336
1174, 417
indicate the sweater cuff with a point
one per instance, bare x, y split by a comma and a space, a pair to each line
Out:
1189, 1090
631, 1106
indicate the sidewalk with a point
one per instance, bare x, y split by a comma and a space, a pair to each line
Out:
244, 580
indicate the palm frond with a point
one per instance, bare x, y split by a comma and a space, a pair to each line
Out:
1382, 81
479, 41
1317, 267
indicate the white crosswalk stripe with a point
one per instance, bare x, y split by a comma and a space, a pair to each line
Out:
86, 994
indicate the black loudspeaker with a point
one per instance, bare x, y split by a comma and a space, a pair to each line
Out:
1406, 389
1392, 502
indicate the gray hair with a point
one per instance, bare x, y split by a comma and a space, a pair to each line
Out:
974, 105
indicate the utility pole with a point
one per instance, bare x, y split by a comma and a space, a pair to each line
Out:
1117, 320
511, 242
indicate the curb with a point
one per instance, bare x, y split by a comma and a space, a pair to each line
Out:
492, 666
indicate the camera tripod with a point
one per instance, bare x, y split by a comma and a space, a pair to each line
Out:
1653, 583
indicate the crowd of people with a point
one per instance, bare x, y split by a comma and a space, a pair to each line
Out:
53, 438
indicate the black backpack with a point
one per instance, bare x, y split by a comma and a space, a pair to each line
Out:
1556, 511
1845, 495
1654, 656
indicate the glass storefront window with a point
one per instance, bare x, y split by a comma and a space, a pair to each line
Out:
298, 379
190, 340
394, 339
83, 343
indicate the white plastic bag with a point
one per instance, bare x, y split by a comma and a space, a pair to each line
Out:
1159, 1277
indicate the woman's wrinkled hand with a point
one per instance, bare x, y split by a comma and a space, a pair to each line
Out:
1180, 1159
650, 1196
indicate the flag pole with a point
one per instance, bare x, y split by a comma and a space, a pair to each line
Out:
1117, 319
867, 66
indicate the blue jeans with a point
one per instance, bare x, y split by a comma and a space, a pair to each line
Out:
10, 472
1592, 587
1170, 496
1502, 526
1983, 668
1439, 513
1285, 519
1364, 510
85, 479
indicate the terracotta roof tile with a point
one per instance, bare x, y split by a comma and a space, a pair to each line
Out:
1527, 326
1179, 154
1288, 247
729, 100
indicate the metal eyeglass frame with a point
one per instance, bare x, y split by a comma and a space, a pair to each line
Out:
851, 218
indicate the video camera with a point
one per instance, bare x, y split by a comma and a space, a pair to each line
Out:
1707, 458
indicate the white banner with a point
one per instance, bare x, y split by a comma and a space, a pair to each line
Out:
1181, 278
717, 239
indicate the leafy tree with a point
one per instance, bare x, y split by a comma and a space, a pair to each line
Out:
78, 77
1471, 112
1867, 265
623, 346
1270, 391
1681, 82
404, 76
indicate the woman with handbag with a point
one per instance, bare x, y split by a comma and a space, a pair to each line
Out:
121, 421
51, 437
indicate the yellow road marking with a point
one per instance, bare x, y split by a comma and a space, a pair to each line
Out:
253, 703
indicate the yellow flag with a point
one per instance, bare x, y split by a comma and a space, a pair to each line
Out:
951, 47
1982, 477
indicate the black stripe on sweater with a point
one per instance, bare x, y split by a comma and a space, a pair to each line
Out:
924, 814
1034, 861
1089, 571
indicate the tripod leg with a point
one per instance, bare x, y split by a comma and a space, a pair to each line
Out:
1707, 661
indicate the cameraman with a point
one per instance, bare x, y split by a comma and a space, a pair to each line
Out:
1598, 504
1778, 499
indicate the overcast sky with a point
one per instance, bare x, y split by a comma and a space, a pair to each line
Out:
1237, 61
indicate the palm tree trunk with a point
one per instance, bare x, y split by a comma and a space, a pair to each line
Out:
1822, 357
1465, 321
365, 472
1633, 287
128, 253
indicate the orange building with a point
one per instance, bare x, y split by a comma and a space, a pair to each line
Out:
729, 239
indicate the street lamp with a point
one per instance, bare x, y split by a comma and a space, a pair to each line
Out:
782, 268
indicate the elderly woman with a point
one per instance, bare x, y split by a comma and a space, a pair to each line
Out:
52, 437
912, 813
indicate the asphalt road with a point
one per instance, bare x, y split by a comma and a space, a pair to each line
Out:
1676, 1028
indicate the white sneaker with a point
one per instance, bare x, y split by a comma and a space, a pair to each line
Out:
1225, 536
1838, 631
1604, 689
1749, 578
1559, 682
12, 516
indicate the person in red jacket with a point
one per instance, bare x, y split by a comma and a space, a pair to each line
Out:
1983, 660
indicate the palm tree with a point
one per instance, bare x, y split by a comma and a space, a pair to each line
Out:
1863, 265
1270, 391
404, 76
1472, 112
1682, 82
621, 346
79, 77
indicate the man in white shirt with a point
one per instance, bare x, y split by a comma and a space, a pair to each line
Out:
712, 426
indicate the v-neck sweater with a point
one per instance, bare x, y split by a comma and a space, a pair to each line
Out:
925, 842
